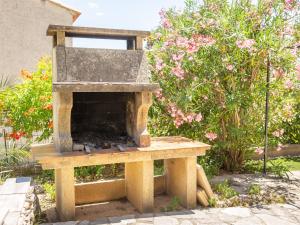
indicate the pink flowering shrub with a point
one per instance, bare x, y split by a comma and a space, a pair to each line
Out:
210, 61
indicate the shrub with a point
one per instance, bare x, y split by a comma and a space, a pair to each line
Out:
292, 129
254, 189
50, 190
27, 107
278, 167
211, 63
224, 190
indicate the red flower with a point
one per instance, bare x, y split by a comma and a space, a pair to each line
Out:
50, 124
26, 74
17, 135
48, 107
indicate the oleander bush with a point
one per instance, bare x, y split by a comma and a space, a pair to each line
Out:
211, 62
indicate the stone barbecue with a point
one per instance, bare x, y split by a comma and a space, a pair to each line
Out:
101, 99
101, 96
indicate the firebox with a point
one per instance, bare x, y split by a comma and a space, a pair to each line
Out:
101, 98
98, 119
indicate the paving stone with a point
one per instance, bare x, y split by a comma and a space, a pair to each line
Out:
12, 202
19, 185
237, 211
12, 218
186, 222
227, 218
248, 221
210, 220
128, 219
84, 222
67, 223
262, 210
181, 214
273, 220
289, 206
199, 214
165, 220
101, 221
3, 213
145, 220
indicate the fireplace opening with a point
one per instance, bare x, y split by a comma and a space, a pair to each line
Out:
98, 119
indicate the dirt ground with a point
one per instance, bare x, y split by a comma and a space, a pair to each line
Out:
104, 209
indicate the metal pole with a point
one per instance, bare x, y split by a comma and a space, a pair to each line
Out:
267, 116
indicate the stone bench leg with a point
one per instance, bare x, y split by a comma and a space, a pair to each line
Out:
139, 180
181, 180
65, 193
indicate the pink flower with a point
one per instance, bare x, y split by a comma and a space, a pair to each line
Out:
198, 117
279, 147
278, 133
166, 23
182, 42
278, 73
205, 97
159, 64
298, 71
169, 43
229, 67
288, 84
192, 47
204, 40
190, 58
259, 150
178, 72
190, 117
248, 43
211, 136
289, 4
158, 94
178, 57
178, 122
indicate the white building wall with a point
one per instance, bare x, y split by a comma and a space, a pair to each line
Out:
23, 40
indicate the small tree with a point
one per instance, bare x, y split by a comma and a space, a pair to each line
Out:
210, 61
27, 107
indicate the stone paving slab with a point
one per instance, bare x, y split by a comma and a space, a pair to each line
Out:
3, 214
12, 202
19, 185
278, 214
12, 218
12, 199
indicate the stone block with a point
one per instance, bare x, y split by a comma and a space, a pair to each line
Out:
101, 65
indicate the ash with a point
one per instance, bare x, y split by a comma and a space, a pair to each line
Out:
94, 141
